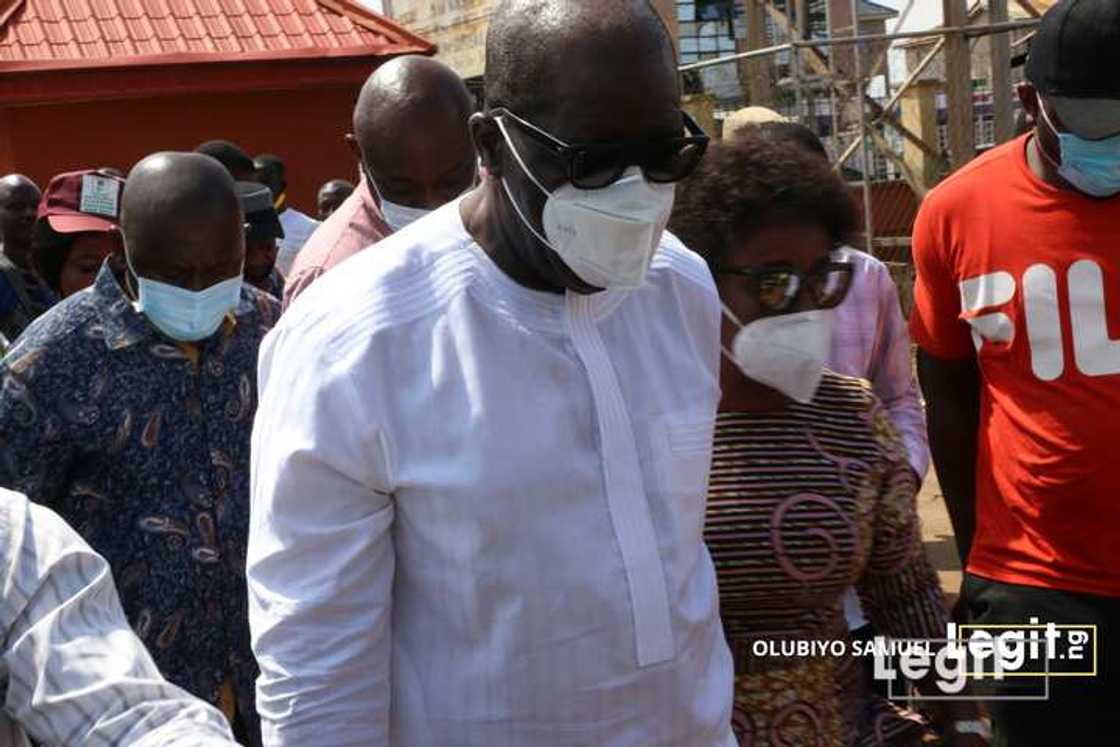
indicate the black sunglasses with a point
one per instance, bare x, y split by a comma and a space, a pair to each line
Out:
599, 165
776, 287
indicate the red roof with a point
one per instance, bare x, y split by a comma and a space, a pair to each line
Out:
40, 35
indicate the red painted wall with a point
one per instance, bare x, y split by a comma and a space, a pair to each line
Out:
304, 127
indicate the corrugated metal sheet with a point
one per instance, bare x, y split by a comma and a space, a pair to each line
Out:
124, 32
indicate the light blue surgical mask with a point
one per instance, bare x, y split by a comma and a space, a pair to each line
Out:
183, 314
1091, 166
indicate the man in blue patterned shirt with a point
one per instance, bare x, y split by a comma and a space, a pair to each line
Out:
128, 409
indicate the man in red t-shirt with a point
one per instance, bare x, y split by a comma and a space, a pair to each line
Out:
1017, 314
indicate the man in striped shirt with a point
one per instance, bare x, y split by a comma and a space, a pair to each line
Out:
72, 670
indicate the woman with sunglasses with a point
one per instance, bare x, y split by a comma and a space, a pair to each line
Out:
810, 489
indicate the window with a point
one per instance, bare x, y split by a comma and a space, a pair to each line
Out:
879, 169
985, 131
707, 28
711, 28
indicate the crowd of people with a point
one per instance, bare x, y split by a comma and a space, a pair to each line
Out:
597, 405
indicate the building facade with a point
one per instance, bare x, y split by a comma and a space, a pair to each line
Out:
458, 28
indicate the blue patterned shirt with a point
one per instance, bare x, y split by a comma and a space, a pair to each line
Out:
142, 445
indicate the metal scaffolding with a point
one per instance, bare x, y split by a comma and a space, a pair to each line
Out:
869, 121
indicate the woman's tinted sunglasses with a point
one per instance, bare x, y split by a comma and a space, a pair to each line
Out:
776, 287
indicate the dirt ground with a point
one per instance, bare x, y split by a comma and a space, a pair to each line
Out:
937, 534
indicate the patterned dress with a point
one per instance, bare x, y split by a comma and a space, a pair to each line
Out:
804, 503
273, 285
142, 445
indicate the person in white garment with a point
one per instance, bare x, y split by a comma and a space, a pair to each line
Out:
481, 453
298, 227
72, 671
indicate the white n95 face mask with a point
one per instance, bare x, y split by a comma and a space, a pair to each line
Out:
607, 236
787, 352
399, 216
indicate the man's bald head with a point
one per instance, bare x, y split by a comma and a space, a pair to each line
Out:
585, 71
230, 155
15, 182
331, 195
182, 221
527, 37
19, 203
410, 128
404, 90
336, 186
272, 173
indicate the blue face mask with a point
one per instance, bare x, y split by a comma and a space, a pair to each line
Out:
183, 314
1091, 166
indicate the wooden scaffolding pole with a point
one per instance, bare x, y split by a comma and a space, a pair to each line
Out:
958, 83
1001, 74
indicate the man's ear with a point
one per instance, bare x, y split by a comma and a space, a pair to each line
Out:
1028, 97
118, 244
488, 142
352, 144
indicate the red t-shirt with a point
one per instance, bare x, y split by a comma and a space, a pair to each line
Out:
1026, 277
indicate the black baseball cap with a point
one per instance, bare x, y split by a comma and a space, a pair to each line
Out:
261, 220
1074, 64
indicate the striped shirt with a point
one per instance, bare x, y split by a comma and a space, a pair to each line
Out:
802, 504
71, 669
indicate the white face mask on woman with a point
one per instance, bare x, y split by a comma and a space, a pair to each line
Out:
786, 352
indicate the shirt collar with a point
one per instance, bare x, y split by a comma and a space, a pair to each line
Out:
534, 309
124, 326
538, 310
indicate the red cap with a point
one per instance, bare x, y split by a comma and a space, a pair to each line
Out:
82, 201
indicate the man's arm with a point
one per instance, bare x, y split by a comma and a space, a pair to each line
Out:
947, 365
952, 392
35, 446
320, 557
12, 319
76, 673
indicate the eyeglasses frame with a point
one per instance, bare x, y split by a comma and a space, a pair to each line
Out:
569, 152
